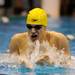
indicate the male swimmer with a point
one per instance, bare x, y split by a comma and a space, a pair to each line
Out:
31, 46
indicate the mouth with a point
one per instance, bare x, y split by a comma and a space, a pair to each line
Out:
34, 37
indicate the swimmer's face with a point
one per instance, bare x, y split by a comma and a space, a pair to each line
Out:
35, 31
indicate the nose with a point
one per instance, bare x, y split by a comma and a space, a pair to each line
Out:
33, 30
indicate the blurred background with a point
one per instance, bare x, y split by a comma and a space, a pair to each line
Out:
61, 15
54, 8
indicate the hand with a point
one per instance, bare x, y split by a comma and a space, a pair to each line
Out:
24, 60
42, 56
29, 65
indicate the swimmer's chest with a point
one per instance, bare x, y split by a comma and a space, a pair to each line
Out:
34, 47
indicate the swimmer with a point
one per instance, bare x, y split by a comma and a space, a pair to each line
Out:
32, 44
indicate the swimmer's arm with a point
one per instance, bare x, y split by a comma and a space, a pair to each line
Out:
43, 58
63, 44
60, 41
24, 60
14, 46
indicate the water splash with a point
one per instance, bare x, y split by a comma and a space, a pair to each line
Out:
56, 57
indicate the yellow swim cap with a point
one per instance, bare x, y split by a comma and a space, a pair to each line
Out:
37, 16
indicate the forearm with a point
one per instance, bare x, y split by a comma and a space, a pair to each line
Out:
24, 60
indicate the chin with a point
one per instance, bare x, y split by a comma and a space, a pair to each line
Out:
34, 38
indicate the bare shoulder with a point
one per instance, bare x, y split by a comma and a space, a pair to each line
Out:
56, 34
19, 36
16, 41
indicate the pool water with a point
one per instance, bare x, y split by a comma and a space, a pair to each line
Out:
40, 70
65, 25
